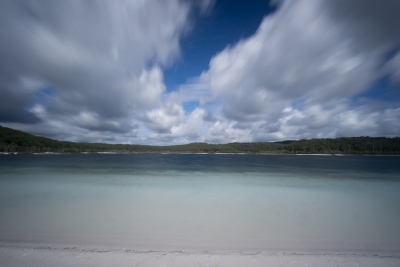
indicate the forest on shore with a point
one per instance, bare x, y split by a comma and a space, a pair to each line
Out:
14, 141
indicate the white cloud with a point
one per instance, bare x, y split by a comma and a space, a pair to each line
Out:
162, 119
190, 128
393, 68
222, 130
75, 71
90, 66
147, 89
193, 91
296, 76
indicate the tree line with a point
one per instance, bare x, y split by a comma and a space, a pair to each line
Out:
14, 141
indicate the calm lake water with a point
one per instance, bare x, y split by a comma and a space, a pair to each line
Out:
207, 202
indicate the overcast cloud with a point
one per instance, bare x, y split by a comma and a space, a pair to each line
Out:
94, 71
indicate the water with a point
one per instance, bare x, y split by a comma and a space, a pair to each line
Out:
202, 202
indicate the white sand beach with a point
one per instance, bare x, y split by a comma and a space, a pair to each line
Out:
45, 256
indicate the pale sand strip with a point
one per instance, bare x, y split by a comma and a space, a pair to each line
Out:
46, 257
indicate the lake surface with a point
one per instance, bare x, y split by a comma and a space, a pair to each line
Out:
202, 202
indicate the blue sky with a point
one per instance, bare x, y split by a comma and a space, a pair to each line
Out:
217, 71
224, 25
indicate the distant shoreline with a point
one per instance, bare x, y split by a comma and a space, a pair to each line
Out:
45, 256
185, 153
13, 141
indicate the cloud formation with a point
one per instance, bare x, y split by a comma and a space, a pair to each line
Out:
300, 73
93, 66
80, 71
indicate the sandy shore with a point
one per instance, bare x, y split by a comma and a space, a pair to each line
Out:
74, 256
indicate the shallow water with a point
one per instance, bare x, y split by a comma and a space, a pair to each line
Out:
207, 202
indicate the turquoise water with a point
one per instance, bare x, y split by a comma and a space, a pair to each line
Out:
202, 202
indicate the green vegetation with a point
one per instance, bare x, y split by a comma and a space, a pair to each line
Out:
20, 142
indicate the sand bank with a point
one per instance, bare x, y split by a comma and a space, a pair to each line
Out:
44, 256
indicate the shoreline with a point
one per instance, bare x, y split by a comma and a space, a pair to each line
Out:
189, 153
44, 255
47, 246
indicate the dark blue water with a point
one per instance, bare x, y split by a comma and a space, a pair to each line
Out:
213, 202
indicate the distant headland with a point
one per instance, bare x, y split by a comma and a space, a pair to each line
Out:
14, 141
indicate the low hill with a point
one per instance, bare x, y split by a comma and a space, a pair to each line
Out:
21, 142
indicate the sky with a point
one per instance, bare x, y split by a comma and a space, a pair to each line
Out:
217, 71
